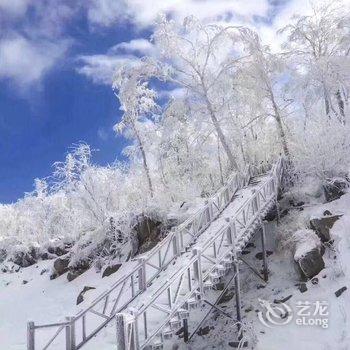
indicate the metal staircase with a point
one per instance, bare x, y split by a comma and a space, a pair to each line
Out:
174, 276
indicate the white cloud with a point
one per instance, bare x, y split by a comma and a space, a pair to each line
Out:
105, 12
15, 8
268, 33
143, 13
31, 45
26, 62
140, 46
175, 93
102, 133
100, 68
28, 51
239, 12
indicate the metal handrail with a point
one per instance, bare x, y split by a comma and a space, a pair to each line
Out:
223, 197
268, 192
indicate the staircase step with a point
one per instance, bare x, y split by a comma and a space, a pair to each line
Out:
167, 333
157, 345
215, 278
208, 285
221, 270
192, 303
227, 262
175, 323
183, 314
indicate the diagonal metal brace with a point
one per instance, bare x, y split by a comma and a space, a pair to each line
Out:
208, 313
253, 269
219, 309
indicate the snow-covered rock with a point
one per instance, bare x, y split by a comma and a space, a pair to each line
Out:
335, 188
322, 226
311, 263
308, 253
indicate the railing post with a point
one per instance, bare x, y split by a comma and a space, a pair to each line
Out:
232, 233
70, 334
175, 244
229, 232
238, 294
121, 332
263, 245
211, 209
227, 195
185, 326
142, 274
255, 202
207, 212
197, 267
30, 335
134, 329
125, 331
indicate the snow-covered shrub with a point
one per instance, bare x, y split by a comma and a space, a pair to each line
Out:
87, 210
322, 149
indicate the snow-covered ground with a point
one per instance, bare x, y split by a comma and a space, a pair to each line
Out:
41, 299
30, 294
48, 301
283, 282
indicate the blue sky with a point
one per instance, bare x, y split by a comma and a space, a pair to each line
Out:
56, 64
37, 126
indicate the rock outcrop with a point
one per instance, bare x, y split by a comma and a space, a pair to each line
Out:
111, 269
311, 263
322, 226
308, 253
148, 233
335, 188
80, 297
60, 266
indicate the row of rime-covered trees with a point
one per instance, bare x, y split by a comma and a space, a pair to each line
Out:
237, 101
212, 99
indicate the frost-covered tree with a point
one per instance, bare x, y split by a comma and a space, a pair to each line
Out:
319, 45
185, 151
138, 102
202, 59
262, 73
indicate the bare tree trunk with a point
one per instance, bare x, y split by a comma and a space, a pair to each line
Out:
340, 106
163, 178
144, 160
326, 101
221, 135
242, 151
306, 117
280, 129
220, 165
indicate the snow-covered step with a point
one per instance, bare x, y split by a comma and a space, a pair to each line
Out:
157, 345
167, 333
221, 270
183, 314
175, 323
